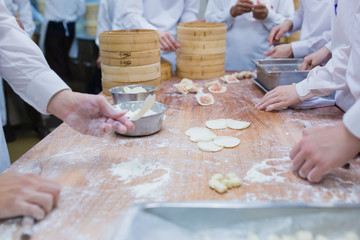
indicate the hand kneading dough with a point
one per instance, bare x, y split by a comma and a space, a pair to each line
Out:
227, 142
216, 124
198, 134
238, 125
209, 146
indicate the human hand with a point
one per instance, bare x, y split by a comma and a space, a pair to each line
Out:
280, 51
241, 7
322, 149
315, 59
20, 24
167, 42
88, 114
98, 62
27, 195
277, 32
280, 97
260, 11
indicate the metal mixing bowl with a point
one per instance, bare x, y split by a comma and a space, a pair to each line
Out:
146, 125
119, 95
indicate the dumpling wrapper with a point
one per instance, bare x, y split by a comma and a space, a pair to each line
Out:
237, 125
226, 141
216, 124
209, 84
217, 88
229, 79
209, 146
204, 99
198, 134
134, 90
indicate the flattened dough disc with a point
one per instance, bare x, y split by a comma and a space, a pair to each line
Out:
234, 124
216, 124
209, 146
226, 141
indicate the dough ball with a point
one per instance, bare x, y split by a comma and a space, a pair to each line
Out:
217, 177
234, 124
209, 146
215, 184
304, 235
232, 180
226, 141
216, 124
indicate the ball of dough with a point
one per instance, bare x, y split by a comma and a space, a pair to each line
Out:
217, 186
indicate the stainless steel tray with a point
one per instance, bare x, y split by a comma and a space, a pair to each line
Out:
275, 72
194, 220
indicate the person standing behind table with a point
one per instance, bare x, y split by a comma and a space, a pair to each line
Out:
323, 149
160, 15
313, 18
248, 25
58, 33
23, 65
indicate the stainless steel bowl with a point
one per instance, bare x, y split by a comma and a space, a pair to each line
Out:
119, 95
146, 125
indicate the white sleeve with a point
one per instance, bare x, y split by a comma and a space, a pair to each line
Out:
191, 10
103, 22
217, 11
25, 16
283, 11
81, 9
352, 116
24, 66
130, 16
297, 18
308, 46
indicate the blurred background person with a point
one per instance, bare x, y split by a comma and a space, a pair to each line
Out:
249, 24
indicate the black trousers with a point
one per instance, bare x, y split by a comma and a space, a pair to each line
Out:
58, 41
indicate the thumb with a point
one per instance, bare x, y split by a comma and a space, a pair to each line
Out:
270, 52
304, 65
109, 111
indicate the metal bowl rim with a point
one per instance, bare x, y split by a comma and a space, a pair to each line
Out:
112, 90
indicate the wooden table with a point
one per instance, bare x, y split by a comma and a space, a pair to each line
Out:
102, 177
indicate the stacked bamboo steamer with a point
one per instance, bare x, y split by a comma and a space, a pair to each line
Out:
166, 70
129, 57
91, 17
202, 52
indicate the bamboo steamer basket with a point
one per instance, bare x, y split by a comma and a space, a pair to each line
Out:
166, 70
200, 60
130, 59
134, 40
109, 84
201, 31
131, 74
202, 52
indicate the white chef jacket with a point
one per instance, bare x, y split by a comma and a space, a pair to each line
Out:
163, 15
22, 8
341, 72
61, 11
106, 13
24, 67
314, 19
247, 36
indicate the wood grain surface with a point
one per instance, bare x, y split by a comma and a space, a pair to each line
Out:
102, 177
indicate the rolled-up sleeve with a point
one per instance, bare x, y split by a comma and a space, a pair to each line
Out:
24, 66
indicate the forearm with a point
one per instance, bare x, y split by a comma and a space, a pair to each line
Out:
306, 47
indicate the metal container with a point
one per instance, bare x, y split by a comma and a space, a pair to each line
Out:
119, 95
275, 72
235, 220
146, 125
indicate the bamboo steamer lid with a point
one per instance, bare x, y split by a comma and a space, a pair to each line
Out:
106, 85
134, 40
130, 59
191, 60
131, 74
166, 70
201, 31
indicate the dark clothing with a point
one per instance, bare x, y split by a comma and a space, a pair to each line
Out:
58, 39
